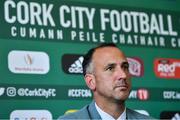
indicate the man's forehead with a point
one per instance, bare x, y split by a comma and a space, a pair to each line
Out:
109, 56
124, 61
108, 52
107, 47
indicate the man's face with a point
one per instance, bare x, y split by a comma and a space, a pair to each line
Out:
111, 74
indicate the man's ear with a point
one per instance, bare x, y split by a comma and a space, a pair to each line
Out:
90, 81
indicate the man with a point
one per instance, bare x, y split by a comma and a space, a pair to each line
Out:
106, 73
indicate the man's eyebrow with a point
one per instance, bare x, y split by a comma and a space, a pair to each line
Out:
125, 63
110, 64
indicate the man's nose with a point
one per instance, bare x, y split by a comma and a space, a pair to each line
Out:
121, 73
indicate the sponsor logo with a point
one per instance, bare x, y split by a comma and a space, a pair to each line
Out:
79, 93
26, 92
143, 94
28, 62
72, 64
2, 90
176, 116
133, 94
136, 66
30, 115
76, 67
170, 115
167, 68
140, 94
171, 95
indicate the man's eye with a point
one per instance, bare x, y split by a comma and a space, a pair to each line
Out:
110, 68
125, 66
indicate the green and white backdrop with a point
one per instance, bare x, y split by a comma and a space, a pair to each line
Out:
42, 44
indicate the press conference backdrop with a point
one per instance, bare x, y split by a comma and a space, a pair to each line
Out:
42, 44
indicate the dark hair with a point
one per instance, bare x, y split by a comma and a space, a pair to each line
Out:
88, 56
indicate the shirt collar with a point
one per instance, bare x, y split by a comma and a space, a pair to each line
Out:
106, 116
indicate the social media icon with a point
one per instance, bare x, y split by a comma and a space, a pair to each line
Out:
11, 91
2, 91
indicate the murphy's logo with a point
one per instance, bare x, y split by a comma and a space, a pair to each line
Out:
167, 68
28, 62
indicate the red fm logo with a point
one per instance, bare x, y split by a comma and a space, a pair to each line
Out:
167, 68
